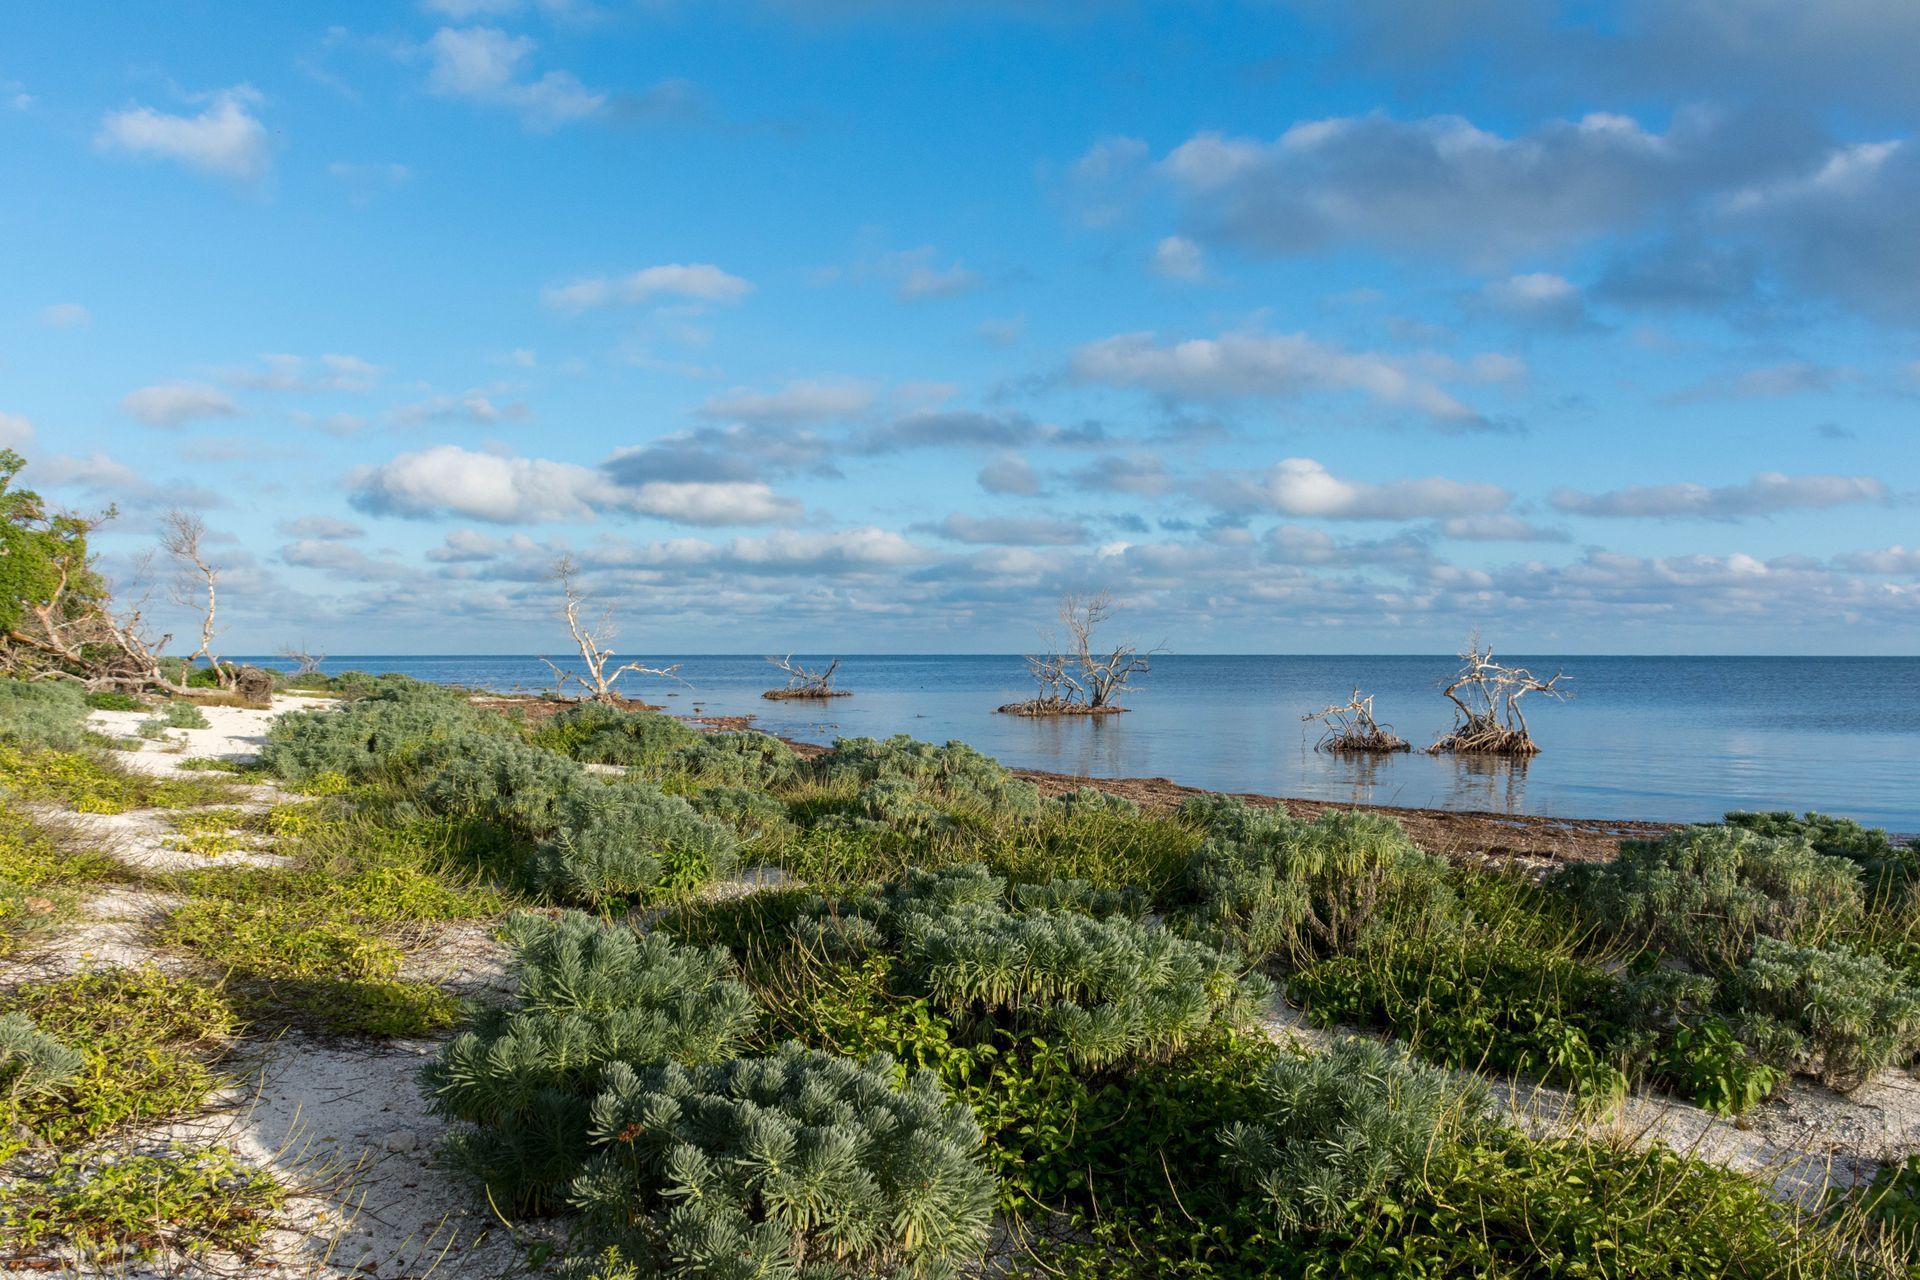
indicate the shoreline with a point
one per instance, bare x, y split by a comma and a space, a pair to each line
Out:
1450, 832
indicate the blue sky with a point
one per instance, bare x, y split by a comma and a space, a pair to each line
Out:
865, 325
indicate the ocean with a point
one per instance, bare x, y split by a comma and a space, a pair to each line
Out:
1655, 738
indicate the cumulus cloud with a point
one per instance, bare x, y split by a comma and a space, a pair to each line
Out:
1138, 473
485, 64
1539, 299
1896, 559
738, 451
1768, 493
283, 372
803, 400
66, 315
1302, 487
1010, 474
1295, 544
321, 529
477, 408
699, 281
503, 489
1287, 366
1438, 185
1018, 531
1791, 378
1499, 528
224, 139
1178, 258
969, 429
339, 560
174, 404
15, 431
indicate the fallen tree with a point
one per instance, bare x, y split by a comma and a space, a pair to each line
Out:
59, 619
1351, 729
1075, 679
806, 682
1486, 698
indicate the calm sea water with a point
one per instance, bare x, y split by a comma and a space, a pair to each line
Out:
1670, 739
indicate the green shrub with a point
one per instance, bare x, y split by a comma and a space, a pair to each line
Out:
143, 1039
1827, 1011
524, 789
32, 1062
1344, 1128
755, 760
1891, 1204
589, 994
1274, 887
123, 1207
802, 1163
1706, 893
112, 700
184, 715
50, 713
1092, 800
370, 737
952, 772
1889, 868
1108, 989
749, 812
628, 840
599, 733
1479, 1004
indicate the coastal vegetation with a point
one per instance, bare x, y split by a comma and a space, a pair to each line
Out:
1350, 728
883, 1009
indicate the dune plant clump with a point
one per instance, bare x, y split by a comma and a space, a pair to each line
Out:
1107, 988
1826, 1011
1269, 886
600, 733
1705, 894
589, 994
372, 735
799, 1163
1889, 868
953, 772
50, 713
1344, 1127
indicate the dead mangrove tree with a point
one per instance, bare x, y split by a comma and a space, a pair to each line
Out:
1350, 728
595, 641
1076, 678
1487, 719
806, 682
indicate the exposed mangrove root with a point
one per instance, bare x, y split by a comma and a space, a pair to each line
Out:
1056, 706
806, 682
1351, 729
1486, 698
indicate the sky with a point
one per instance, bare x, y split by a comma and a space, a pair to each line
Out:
876, 325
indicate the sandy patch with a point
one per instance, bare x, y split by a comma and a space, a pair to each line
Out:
349, 1128
233, 733
140, 838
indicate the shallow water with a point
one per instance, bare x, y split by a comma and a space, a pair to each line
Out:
1671, 739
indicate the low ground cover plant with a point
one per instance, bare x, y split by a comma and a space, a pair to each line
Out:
116, 1208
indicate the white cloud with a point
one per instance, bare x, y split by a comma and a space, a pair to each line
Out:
923, 280
173, 404
484, 64
96, 471
1499, 528
66, 315
1302, 487
1018, 531
1286, 365
281, 372
1538, 298
1440, 184
710, 502
15, 431
479, 408
446, 479
1178, 258
803, 400
700, 281
1896, 559
1768, 493
1009, 474
225, 139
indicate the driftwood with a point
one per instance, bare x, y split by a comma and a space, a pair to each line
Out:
306, 663
1486, 699
806, 682
595, 643
1075, 679
181, 533
1351, 729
